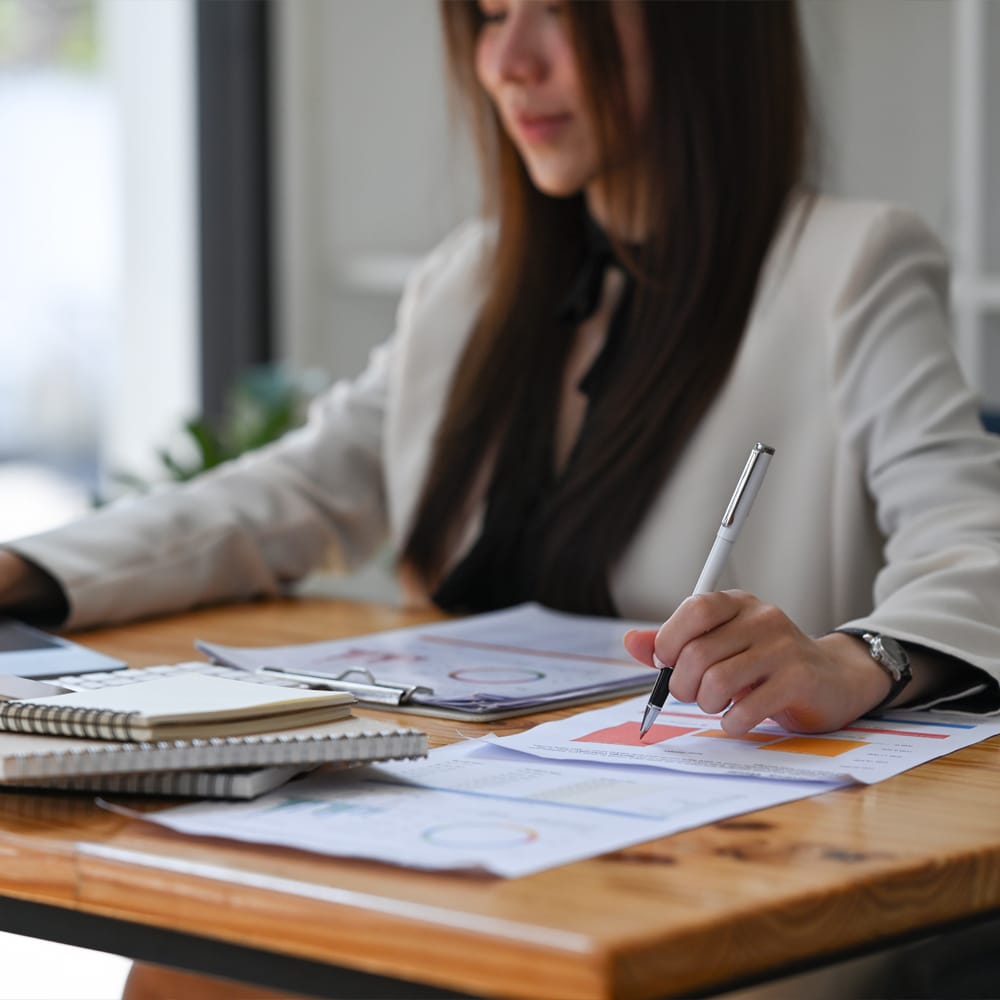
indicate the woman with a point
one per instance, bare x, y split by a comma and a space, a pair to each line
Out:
546, 426
684, 127
575, 380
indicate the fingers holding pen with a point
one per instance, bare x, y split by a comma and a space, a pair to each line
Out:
693, 640
695, 617
698, 637
638, 644
732, 653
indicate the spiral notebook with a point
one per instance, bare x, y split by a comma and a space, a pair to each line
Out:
229, 783
184, 706
25, 759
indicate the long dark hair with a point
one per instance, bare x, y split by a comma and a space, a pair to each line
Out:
723, 147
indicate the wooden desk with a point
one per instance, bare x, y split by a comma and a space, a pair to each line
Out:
801, 883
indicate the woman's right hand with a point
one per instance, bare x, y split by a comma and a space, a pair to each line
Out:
734, 655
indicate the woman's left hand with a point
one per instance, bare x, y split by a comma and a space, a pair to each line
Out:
730, 650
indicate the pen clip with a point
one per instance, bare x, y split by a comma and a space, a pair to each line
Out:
369, 689
756, 453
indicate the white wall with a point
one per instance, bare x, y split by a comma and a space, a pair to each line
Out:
370, 176
983, 298
991, 166
882, 78
151, 69
910, 103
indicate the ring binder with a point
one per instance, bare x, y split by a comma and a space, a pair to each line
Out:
477, 669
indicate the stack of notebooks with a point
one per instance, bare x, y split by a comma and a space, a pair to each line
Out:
187, 734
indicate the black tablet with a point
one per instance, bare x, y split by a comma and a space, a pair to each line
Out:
29, 652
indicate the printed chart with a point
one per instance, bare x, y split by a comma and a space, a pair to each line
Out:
474, 806
628, 734
685, 739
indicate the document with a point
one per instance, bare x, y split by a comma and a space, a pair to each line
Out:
686, 739
478, 668
475, 807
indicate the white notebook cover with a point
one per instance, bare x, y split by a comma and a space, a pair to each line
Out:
178, 706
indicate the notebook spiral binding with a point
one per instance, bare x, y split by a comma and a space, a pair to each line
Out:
220, 752
59, 720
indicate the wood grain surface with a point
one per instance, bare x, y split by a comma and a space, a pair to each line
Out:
796, 883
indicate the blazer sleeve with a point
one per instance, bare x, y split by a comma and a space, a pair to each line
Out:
242, 530
932, 472
318, 496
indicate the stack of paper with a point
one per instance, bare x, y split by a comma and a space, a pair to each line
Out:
574, 788
164, 736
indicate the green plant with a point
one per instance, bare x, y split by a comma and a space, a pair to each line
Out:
50, 34
264, 403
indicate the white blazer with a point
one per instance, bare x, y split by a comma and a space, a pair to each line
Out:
881, 508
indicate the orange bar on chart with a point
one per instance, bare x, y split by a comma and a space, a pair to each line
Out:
817, 746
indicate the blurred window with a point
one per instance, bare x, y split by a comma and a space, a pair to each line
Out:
58, 257
97, 247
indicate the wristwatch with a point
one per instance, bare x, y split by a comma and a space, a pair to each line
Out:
890, 656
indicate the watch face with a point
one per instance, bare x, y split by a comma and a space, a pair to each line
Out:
891, 654
892, 657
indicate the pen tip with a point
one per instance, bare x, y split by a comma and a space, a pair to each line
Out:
648, 718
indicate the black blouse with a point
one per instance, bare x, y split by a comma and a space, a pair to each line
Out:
500, 569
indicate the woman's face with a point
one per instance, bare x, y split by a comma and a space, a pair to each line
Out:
526, 64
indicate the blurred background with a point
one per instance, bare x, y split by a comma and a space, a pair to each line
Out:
205, 196
196, 190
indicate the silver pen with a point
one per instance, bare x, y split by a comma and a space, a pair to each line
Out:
732, 521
